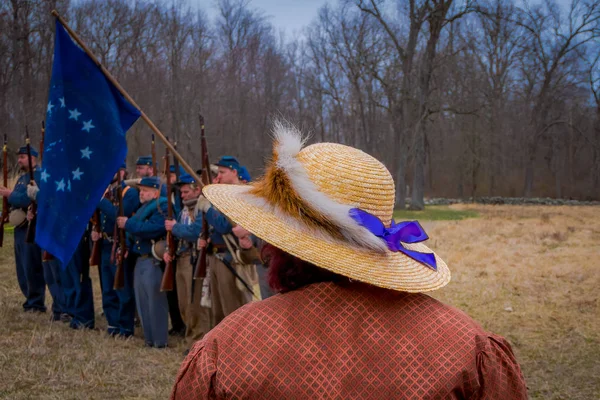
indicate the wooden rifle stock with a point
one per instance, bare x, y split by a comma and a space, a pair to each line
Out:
169, 274
96, 247
5, 206
30, 235
200, 269
119, 282
113, 250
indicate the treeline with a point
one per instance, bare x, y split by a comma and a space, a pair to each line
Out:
459, 99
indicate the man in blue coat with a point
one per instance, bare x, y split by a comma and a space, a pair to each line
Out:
225, 293
143, 228
144, 169
118, 305
70, 285
77, 286
52, 274
28, 256
186, 228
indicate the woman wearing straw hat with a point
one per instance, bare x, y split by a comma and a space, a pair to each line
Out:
351, 320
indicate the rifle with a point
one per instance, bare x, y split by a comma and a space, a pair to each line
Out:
200, 269
113, 249
176, 163
95, 255
5, 206
168, 276
119, 282
176, 191
30, 235
154, 157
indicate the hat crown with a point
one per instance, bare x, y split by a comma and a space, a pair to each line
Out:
150, 181
229, 162
350, 176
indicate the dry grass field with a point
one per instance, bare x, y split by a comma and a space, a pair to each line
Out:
528, 273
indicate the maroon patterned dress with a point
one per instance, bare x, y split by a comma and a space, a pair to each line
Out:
349, 341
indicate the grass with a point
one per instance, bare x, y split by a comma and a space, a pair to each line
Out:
435, 213
528, 273
43, 360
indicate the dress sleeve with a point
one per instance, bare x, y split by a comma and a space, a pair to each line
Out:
196, 375
500, 377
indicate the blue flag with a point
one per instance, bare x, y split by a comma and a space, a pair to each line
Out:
86, 122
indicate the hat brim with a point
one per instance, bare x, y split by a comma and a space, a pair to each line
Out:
392, 270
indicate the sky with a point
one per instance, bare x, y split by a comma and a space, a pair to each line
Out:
290, 16
286, 15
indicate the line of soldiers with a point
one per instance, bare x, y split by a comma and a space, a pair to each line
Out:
233, 278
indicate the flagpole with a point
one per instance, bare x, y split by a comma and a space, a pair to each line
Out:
128, 97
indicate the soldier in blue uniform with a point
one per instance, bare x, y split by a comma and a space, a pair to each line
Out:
143, 169
225, 295
118, 305
146, 226
252, 242
177, 320
52, 274
186, 228
28, 256
77, 286
53, 280
72, 281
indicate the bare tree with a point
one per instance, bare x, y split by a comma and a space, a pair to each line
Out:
551, 47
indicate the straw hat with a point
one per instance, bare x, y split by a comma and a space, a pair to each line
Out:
332, 205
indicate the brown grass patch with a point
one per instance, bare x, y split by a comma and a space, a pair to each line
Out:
530, 278
541, 262
43, 360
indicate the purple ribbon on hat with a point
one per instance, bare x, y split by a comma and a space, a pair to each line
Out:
396, 234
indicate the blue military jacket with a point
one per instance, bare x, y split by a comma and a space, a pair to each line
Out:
187, 233
108, 211
146, 225
18, 198
219, 225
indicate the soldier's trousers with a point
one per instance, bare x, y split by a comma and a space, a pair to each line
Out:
197, 319
52, 278
118, 305
151, 303
30, 272
226, 297
174, 312
77, 288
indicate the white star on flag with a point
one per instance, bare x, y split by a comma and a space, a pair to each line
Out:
76, 174
45, 176
87, 126
62, 102
74, 114
85, 153
60, 185
50, 107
